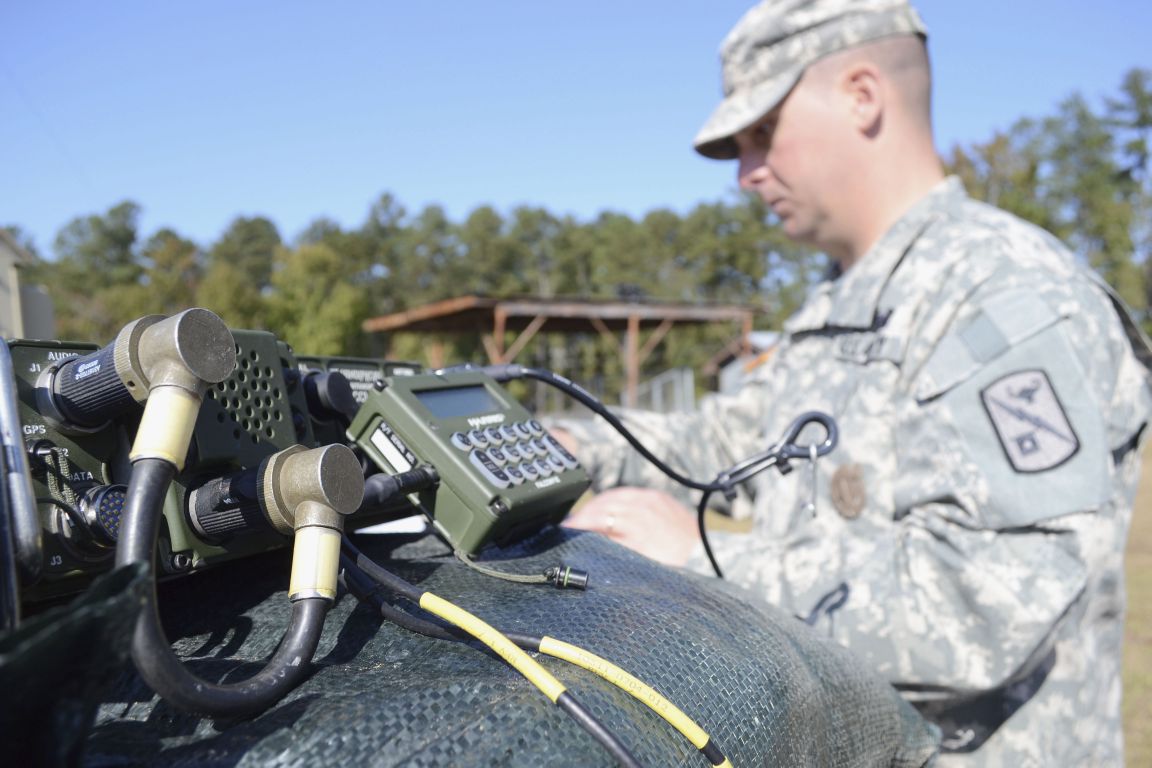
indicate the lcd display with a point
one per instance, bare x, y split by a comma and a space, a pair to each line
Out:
454, 402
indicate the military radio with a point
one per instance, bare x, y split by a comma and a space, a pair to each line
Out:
502, 475
76, 432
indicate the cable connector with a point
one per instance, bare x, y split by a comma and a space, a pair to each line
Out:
381, 488
727, 487
501, 372
567, 577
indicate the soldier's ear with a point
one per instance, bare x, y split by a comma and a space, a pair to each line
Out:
862, 89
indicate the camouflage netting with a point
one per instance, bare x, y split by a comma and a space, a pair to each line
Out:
767, 690
58, 666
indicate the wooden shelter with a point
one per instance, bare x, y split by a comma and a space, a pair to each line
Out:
643, 323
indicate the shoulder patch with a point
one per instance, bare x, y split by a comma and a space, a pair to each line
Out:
1030, 421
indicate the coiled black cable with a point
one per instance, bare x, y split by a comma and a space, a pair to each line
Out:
160, 667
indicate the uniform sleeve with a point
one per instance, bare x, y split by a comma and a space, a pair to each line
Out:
1011, 477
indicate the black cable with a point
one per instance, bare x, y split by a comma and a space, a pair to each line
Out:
384, 578
701, 509
777, 455
359, 568
367, 591
382, 488
578, 393
160, 667
607, 739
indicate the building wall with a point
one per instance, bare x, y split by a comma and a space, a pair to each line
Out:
25, 310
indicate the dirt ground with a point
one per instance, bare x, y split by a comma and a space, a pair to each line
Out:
1138, 632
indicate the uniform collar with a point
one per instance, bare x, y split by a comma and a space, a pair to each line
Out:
852, 300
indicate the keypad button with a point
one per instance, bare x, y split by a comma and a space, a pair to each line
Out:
523, 430
516, 475
478, 438
536, 427
489, 470
530, 471
560, 452
461, 441
498, 456
494, 435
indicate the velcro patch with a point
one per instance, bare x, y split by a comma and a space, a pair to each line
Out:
1030, 421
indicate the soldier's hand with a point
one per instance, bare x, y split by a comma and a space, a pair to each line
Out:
648, 521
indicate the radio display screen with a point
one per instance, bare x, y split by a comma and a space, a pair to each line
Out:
454, 402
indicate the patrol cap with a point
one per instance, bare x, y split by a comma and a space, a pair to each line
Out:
768, 50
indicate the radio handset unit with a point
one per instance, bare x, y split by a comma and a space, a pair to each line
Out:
502, 476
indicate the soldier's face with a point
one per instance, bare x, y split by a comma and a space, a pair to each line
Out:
790, 158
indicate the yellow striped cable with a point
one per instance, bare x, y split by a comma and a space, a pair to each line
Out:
491, 637
637, 688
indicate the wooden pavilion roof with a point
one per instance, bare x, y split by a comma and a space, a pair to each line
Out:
527, 316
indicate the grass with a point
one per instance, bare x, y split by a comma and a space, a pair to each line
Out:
1138, 630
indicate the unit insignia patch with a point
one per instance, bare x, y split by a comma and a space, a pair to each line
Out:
1030, 421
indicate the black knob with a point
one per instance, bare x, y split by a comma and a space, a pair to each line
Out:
330, 396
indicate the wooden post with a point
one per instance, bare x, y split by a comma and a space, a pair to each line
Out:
632, 360
500, 323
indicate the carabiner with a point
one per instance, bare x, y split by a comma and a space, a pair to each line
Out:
788, 447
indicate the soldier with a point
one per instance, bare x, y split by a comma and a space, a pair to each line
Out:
989, 398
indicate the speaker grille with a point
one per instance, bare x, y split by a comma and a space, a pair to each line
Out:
250, 414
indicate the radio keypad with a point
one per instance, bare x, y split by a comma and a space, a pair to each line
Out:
515, 453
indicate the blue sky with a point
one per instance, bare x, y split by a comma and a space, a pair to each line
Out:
203, 111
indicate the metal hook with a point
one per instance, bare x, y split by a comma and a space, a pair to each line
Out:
789, 449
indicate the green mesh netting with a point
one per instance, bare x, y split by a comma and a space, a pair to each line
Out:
767, 689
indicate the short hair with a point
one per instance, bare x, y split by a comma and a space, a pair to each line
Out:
902, 59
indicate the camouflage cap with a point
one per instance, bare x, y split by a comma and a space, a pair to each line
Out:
769, 48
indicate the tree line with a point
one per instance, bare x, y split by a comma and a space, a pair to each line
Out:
1081, 172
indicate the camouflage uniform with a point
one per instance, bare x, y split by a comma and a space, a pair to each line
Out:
990, 409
